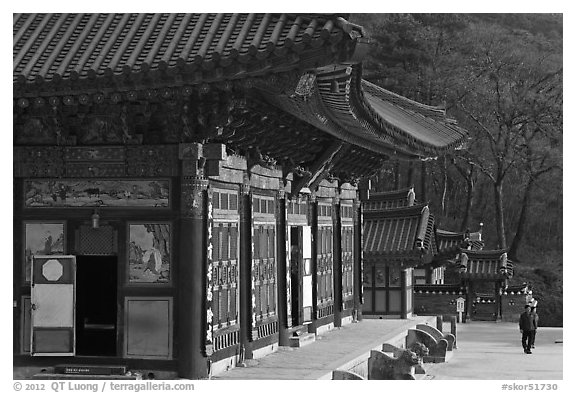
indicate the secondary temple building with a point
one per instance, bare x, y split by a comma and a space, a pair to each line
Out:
187, 187
412, 267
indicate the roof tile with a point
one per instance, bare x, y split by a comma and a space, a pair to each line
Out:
400, 232
47, 44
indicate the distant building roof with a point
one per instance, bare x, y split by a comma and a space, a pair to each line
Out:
402, 235
451, 243
389, 199
491, 264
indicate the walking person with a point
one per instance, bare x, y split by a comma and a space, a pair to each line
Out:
535, 316
527, 326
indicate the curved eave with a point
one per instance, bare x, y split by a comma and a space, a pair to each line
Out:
391, 195
366, 115
426, 128
396, 212
492, 255
486, 276
331, 112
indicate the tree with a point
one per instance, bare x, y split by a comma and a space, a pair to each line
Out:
511, 99
469, 174
500, 76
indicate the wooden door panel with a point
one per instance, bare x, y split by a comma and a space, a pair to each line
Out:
53, 305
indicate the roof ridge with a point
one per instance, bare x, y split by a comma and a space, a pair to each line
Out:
400, 211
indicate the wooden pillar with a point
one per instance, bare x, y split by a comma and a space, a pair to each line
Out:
245, 269
397, 175
18, 266
469, 299
403, 295
337, 262
498, 300
281, 287
410, 175
192, 270
357, 270
453, 329
439, 322
423, 196
313, 220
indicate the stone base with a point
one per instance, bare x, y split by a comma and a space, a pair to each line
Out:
325, 328
302, 340
223, 365
267, 350
47, 376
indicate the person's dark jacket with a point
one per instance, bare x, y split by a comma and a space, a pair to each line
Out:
527, 321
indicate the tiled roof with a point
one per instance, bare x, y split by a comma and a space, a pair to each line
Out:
389, 199
359, 113
54, 47
450, 240
399, 235
75, 54
422, 126
451, 243
492, 264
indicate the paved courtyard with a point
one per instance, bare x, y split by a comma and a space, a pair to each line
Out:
489, 351
486, 351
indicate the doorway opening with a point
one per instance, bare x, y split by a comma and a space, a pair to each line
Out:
96, 307
296, 275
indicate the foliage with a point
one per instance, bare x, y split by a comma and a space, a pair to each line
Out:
501, 77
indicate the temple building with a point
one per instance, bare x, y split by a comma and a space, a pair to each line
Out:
449, 246
485, 275
462, 268
187, 187
412, 267
398, 235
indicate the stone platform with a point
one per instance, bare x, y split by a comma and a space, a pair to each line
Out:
345, 348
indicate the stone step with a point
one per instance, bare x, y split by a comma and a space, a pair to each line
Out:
88, 372
302, 340
50, 376
298, 330
85, 369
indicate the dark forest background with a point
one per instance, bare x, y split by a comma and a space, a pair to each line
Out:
501, 77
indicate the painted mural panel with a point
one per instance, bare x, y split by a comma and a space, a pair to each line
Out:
42, 238
380, 276
149, 253
96, 193
395, 273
